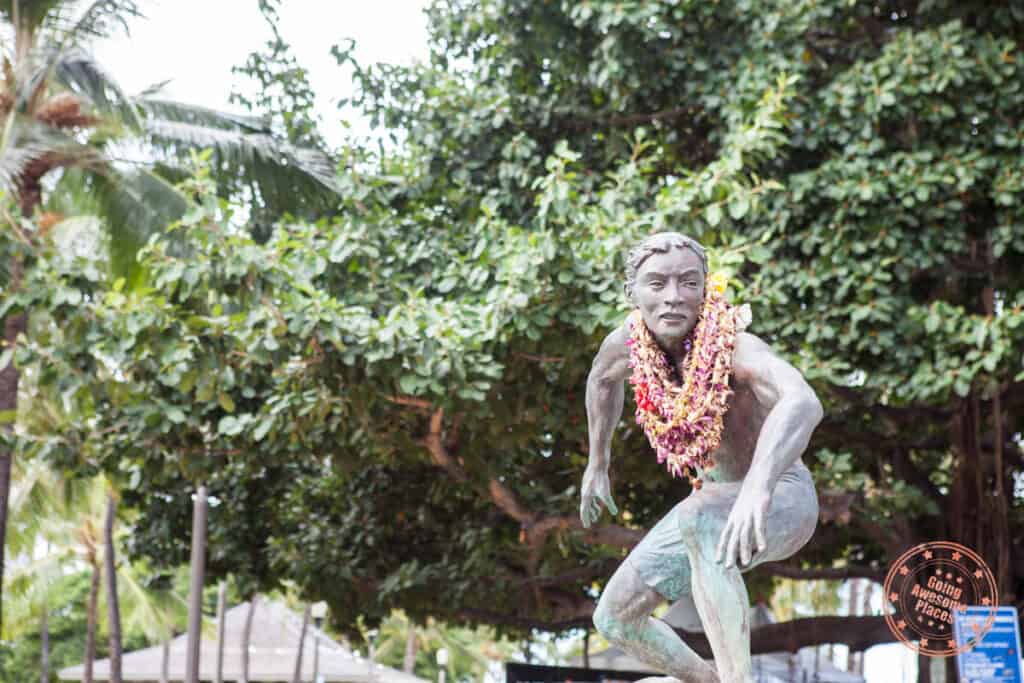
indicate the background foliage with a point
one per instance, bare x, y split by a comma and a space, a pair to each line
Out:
387, 401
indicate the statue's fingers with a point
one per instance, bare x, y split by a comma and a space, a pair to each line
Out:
733, 549
610, 504
585, 511
745, 537
761, 529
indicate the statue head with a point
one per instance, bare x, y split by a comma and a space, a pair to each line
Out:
665, 276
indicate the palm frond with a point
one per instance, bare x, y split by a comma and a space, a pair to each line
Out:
101, 18
245, 153
29, 14
154, 89
80, 73
148, 611
133, 205
25, 142
169, 110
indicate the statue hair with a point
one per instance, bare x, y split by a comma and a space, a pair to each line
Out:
659, 243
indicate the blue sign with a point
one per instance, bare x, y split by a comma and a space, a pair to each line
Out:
996, 659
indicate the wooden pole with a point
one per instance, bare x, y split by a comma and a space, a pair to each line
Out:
195, 598
297, 676
222, 589
113, 605
165, 662
246, 634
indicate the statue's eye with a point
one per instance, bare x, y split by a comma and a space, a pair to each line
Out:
655, 284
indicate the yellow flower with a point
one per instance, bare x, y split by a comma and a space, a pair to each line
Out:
717, 282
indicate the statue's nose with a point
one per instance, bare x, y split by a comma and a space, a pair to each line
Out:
675, 294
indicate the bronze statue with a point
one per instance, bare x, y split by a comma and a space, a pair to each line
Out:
719, 406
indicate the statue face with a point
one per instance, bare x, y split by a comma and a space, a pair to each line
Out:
669, 290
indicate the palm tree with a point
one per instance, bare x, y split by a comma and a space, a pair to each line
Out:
471, 650
62, 114
113, 604
68, 518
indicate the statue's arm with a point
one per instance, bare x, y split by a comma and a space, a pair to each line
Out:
605, 399
795, 411
605, 394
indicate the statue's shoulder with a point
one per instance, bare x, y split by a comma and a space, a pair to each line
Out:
615, 344
617, 338
612, 359
748, 356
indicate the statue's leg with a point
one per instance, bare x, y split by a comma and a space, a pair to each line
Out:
623, 617
722, 603
719, 592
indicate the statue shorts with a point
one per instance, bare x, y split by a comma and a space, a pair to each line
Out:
661, 557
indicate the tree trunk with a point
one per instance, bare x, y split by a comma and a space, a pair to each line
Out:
195, 598
246, 633
865, 610
924, 669
13, 325
90, 625
409, 663
165, 662
297, 676
1001, 512
113, 607
586, 649
44, 637
852, 608
221, 596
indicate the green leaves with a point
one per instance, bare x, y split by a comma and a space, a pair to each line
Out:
859, 188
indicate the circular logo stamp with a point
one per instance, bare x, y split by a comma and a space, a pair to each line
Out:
927, 585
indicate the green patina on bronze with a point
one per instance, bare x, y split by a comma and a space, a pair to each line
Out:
758, 503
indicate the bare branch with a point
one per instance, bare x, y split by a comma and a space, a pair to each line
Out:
420, 403
828, 573
540, 359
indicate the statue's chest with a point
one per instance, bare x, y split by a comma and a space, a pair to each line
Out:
742, 423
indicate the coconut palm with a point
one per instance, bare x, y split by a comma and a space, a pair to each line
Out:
63, 118
57, 528
401, 642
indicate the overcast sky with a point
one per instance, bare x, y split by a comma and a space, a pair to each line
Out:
195, 43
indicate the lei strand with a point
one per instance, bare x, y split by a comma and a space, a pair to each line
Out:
683, 422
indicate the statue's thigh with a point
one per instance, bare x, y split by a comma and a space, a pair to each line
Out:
703, 514
792, 519
660, 559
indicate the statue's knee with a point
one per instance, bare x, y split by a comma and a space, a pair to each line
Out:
607, 623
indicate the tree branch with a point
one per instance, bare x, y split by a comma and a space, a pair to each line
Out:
420, 403
539, 359
626, 120
536, 528
829, 573
858, 633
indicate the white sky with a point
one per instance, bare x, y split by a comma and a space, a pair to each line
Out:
194, 44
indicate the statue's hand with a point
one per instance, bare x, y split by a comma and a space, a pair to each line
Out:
747, 520
596, 490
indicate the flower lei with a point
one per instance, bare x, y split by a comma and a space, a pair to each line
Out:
684, 422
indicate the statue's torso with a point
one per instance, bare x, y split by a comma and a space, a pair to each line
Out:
741, 426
